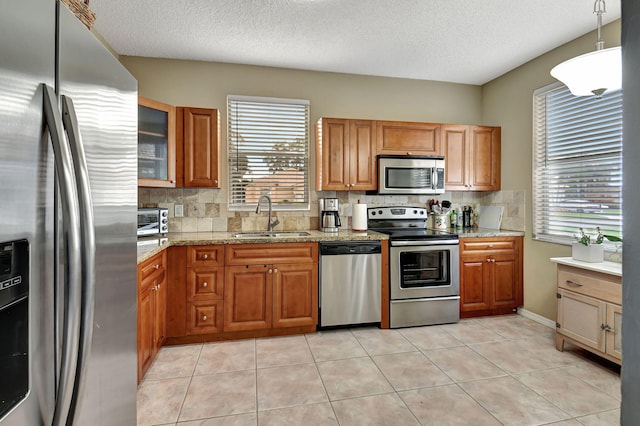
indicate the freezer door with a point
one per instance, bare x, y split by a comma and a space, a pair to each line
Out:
27, 36
104, 97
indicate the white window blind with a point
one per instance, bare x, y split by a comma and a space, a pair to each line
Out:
268, 140
577, 171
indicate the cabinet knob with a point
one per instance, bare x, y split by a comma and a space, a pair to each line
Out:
154, 288
275, 270
205, 284
204, 318
347, 185
271, 271
205, 256
172, 181
157, 266
490, 246
215, 181
409, 153
488, 260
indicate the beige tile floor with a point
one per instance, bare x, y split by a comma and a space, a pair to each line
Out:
489, 371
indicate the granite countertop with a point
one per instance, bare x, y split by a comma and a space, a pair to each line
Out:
149, 246
606, 267
486, 233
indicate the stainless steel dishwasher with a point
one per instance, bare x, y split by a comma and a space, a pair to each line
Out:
350, 282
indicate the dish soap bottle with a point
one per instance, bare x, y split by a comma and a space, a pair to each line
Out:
453, 218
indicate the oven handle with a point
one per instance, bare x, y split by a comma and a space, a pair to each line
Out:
424, 243
425, 299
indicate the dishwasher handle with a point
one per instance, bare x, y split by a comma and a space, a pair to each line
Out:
350, 247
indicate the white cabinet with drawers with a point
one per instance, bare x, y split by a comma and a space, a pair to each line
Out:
590, 307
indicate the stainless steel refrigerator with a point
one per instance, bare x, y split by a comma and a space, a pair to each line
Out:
68, 195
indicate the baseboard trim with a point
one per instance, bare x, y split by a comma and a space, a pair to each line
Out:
537, 318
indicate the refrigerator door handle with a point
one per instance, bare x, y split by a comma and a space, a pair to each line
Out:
88, 245
73, 273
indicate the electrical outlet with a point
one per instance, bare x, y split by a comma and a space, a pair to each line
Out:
178, 210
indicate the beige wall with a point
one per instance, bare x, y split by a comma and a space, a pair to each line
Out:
508, 102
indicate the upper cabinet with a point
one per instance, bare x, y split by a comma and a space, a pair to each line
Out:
472, 155
345, 155
405, 138
199, 137
156, 144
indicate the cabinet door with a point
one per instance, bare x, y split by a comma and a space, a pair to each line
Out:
248, 297
145, 330
455, 151
475, 283
201, 137
405, 138
484, 158
159, 312
332, 155
614, 333
581, 317
295, 298
156, 144
504, 281
362, 162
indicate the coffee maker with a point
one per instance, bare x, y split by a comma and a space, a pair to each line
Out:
329, 216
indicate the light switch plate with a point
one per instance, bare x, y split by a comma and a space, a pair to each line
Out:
178, 210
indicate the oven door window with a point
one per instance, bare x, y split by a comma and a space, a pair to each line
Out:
419, 269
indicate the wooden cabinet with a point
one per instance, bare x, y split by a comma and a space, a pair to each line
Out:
472, 155
589, 311
490, 275
199, 138
271, 286
152, 302
345, 155
406, 138
156, 144
205, 289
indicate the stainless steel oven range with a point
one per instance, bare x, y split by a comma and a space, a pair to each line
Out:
424, 274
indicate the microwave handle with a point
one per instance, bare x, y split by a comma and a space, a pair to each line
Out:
434, 178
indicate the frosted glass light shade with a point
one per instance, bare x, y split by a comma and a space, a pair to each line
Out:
592, 73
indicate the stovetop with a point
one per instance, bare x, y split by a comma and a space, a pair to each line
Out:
404, 223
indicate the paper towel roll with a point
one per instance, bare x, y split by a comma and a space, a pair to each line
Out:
359, 218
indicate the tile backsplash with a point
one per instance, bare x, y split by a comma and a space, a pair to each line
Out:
206, 209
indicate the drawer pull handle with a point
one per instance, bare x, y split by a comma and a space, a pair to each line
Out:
607, 328
576, 283
205, 284
204, 318
205, 256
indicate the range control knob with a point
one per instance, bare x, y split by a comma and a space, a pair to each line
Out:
415, 212
373, 213
379, 211
421, 211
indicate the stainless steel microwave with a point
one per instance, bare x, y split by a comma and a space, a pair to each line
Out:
402, 174
153, 221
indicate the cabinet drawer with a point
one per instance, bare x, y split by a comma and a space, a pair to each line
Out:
487, 244
204, 317
151, 266
590, 283
203, 282
205, 255
258, 254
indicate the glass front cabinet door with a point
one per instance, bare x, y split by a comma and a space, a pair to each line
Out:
156, 144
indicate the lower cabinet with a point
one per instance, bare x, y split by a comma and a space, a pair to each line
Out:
589, 311
220, 292
152, 305
491, 280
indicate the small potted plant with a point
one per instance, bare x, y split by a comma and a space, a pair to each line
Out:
589, 248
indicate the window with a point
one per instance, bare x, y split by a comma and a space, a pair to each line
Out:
577, 171
268, 140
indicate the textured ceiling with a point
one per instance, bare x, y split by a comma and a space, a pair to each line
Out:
461, 41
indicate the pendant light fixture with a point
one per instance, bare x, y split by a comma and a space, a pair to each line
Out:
593, 73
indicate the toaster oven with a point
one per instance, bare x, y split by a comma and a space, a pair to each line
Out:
153, 221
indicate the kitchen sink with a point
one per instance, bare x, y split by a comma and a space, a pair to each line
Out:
270, 234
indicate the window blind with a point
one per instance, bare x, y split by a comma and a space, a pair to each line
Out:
577, 170
268, 140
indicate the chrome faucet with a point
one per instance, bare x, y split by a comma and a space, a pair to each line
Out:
273, 223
